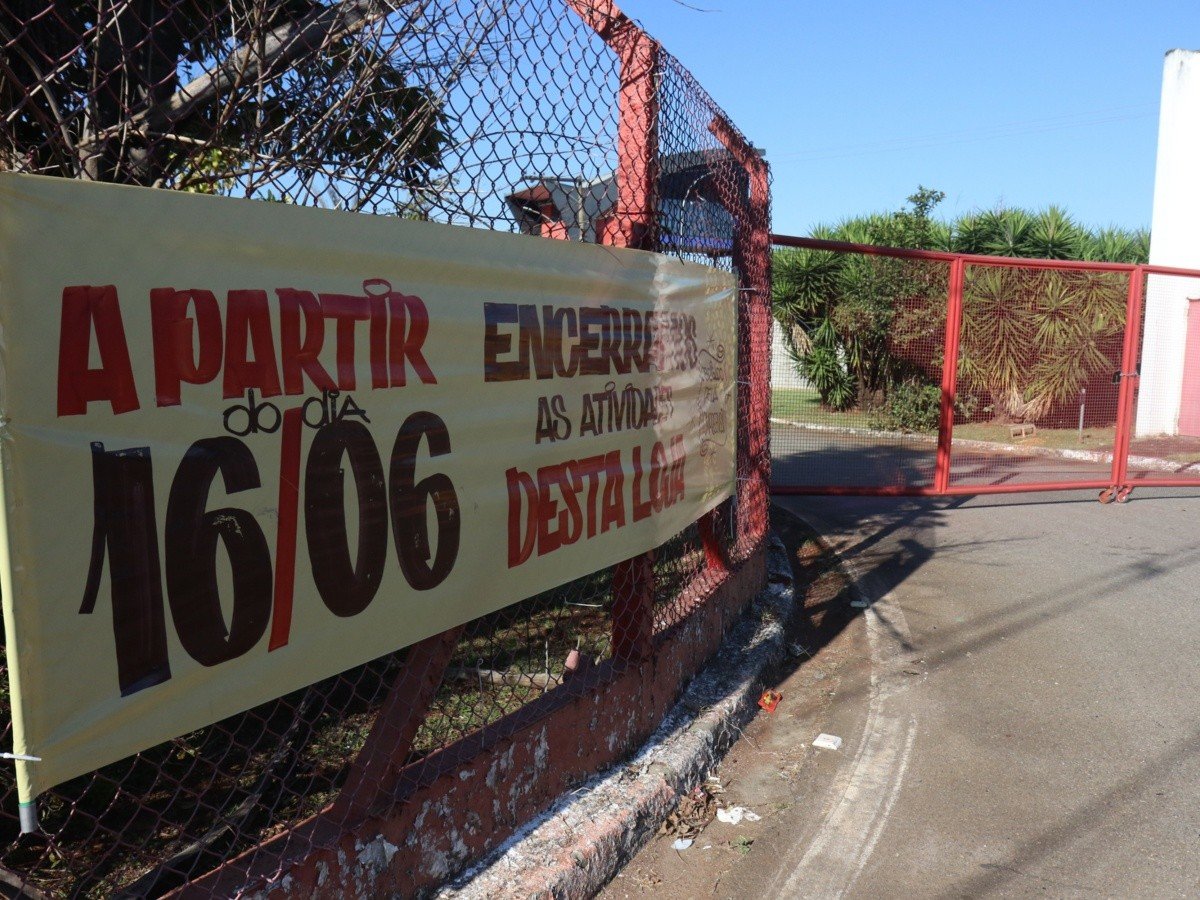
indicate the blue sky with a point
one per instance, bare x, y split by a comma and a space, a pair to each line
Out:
998, 104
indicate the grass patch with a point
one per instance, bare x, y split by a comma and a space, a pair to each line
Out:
803, 406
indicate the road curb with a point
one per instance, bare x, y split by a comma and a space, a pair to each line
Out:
578, 845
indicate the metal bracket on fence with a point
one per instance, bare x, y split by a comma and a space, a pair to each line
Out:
1136, 373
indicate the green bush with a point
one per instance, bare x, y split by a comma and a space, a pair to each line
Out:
914, 406
911, 406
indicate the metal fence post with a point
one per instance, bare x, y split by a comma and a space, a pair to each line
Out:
752, 259
954, 308
373, 774
633, 220
1128, 377
631, 225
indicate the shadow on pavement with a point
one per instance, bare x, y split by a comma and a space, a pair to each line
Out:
888, 539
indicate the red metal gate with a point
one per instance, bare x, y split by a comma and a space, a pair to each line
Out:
921, 373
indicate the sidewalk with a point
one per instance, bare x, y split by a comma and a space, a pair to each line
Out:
773, 772
583, 841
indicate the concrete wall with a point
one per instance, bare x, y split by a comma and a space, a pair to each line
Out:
781, 365
783, 370
1174, 241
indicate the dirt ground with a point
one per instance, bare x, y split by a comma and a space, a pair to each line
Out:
1181, 448
773, 768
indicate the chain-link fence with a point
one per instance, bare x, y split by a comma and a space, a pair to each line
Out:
556, 118
919, 372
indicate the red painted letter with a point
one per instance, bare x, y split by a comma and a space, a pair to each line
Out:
347, 310
83, 307
409, 328
249, 317
299, 354
174, 361
520, 548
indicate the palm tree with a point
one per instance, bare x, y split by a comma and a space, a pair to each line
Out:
1117, 245
804, 291
1031, 338
1054, 235
1009, 232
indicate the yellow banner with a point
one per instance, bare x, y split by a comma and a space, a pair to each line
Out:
246, 446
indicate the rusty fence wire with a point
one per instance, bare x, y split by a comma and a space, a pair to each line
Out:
554, 118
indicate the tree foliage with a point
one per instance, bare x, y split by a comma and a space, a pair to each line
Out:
840, 312
212, 94
860, 327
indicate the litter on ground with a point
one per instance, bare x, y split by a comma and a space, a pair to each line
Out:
769, 700
828, 742
734, 815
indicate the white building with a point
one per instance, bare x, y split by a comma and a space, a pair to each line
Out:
1169, 395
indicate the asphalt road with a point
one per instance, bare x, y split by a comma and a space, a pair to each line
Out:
1031, 725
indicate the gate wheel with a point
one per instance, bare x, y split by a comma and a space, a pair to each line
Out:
1106, 495
1123, 494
